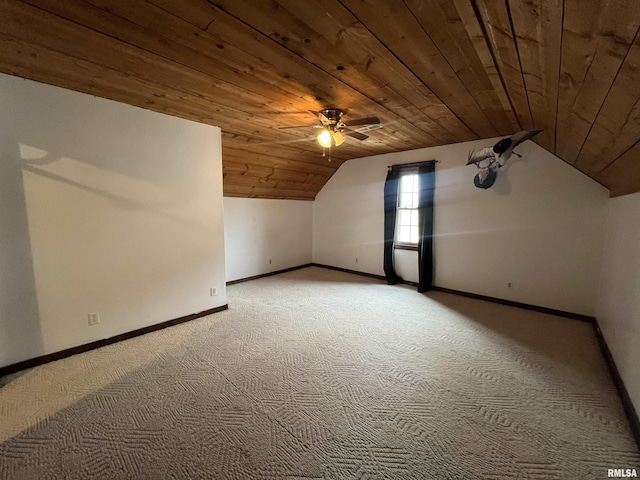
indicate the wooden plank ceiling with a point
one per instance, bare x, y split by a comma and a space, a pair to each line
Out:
434, 71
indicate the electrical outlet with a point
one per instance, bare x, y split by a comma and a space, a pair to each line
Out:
213, 291
94, 318
269, 261
356, 259
509, 284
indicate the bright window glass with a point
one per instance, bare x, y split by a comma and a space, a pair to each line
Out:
407, 213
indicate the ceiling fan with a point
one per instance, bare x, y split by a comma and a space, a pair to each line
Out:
334, 128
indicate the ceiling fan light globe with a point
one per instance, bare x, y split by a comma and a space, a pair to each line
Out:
338, 139
324, 138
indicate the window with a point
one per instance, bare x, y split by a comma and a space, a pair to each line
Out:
407, 213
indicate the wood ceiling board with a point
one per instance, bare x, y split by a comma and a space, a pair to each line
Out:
276, 159
617, 126
327, 89
268, 146
445, 28
268, 59
147, 26
273, 161
221, 63
475, 30
37, 63
537, 25
268, 182
276, 152
261, 192
623, 176
52, 33
153, 66
496, 20
243, 194
352, 148
397, 28
197, 13
116, 26
591, 58
233, 168
341, 46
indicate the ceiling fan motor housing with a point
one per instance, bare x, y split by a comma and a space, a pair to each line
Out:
333, 117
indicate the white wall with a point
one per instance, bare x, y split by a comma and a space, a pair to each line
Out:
541, 226
19, 318
105, 208
618, 309
263, 236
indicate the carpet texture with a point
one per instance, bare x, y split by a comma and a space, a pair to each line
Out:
317, 374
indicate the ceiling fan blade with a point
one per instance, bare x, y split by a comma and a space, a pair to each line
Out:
363, 121
321, 116
354, 134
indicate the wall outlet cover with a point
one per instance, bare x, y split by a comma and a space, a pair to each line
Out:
94, 318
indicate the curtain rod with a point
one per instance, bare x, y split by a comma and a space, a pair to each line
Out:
414, 164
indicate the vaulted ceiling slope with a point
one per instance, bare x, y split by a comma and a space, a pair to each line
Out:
434, 71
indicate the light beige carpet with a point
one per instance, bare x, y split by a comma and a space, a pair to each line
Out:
321, 374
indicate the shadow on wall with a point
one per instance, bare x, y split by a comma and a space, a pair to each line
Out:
91, 186
20, 332
60, 138
503, 185
37, 168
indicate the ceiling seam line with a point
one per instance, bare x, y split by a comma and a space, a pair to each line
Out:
582, 81
515, 42
485, 35
452, 69
555, 130
628, 149
160, 7
606, 97
410, 70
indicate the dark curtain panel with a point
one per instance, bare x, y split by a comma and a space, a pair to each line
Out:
426, 175
390, 203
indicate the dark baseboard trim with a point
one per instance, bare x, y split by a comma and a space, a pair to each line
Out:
363, 274
346, 270
627, 404
262, 275
52, 357
525, 306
